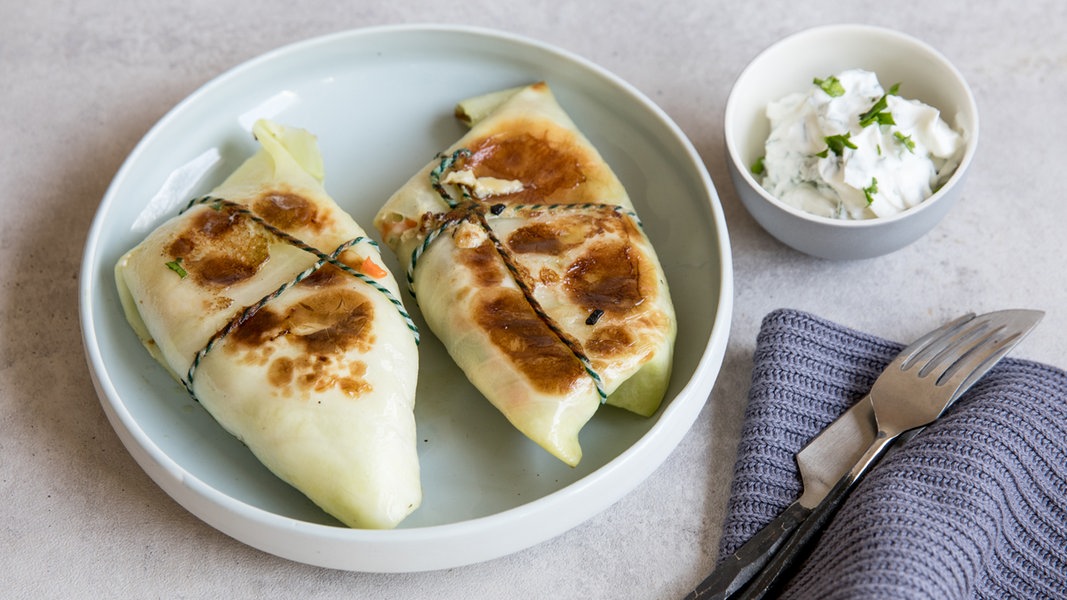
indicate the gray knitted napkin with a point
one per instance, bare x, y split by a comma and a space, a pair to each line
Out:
975, 506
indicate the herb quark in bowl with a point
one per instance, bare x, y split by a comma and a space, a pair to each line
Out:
847, 148
832, 163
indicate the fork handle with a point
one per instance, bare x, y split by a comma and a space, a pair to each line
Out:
797, 547
740, 567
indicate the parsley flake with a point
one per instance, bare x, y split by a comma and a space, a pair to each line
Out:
831, 85
837, 144
871, 190
878, 113
176, 266
757, 167
905, 140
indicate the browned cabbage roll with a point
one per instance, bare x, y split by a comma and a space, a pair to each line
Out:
271, 305
528, 261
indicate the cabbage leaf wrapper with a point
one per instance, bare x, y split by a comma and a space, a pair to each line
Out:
273, 307
529, 263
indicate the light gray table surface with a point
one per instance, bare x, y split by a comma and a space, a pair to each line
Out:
83, 81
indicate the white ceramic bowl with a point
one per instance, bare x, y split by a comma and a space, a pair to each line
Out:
789, 66
487, 491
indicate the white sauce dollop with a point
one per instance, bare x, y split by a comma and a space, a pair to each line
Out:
898, 165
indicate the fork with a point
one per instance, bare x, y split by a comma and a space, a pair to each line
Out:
914, 390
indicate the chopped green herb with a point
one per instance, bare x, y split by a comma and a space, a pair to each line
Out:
905, 140
176, 266
871, 190
831, 85
878, 113
757, 167
837, 144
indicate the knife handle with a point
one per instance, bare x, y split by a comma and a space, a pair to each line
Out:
740, 567
797, 547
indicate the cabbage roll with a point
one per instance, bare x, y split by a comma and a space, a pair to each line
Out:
273, 307
528, 261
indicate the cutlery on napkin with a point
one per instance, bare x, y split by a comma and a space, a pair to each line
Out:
975, 507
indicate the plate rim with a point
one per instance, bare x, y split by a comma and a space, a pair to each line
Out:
330, 546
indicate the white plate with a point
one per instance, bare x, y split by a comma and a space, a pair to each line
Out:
380, 101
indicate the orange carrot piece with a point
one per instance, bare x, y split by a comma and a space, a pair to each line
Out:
370, 268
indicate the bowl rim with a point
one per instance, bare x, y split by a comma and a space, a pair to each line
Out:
968, 105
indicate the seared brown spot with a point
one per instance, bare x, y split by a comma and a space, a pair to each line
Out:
286, 211
181, 246
315, 375
320, 373
217, 222
484, 262
356, 384
357, 369
536, 238
216, 304
324, 327
610, 341
548, 276
280, 373
517, 331
353, 387
326, 276
545, 168
333, 321
555, 232
607, 277
223, 270
262, 327
221, 247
